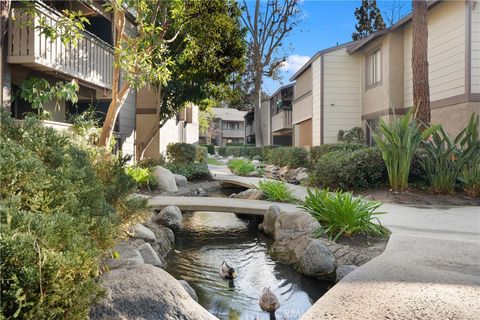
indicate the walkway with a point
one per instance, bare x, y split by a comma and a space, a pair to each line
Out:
429, 270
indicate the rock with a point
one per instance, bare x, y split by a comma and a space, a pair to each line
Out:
289, 176
142, 232
253, 174
180, 180
128, 256
170, 217
289, 251
145, 292
269, 218
302, 175
149, 255
189, 289
256, 162
165, 239
291, 225
165, 179
316, 260
200, 190
343, 270
250, 194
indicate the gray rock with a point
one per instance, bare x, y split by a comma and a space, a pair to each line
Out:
316, 260
128, 256
256, 162
165, 179
291, 225
253, 174
200, 190
269, 218
145, 292
165, 239
250, 194
302, 175
289, 251
149, 255
142, 232
343, 270
180, 180
170, 217
189, 289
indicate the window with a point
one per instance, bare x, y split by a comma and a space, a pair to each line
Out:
372, 126
229, 125
374, 68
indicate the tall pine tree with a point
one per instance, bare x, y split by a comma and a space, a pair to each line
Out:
369, 19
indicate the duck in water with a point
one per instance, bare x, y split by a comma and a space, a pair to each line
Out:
269, 302
227, 272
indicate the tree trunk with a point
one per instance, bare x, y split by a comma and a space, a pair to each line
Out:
143, 145
5, 11
257, 115
421, 89
113, 110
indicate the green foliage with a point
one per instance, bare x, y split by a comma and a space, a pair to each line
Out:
470, 177
359, 169
213, 161
192, 171
201, 154
144, 177
151, 162
340, 213
181, 153
241, 167
63, 204
369, 20
398, 142
354, 135
316, 152
210, 148
292, 157
276, 191
245, 151
235, 144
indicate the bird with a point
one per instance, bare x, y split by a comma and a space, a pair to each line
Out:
226, 271
268, 301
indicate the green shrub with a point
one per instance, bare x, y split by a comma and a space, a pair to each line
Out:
258, 158
143, 177
210, 148
235, 144
276, 191
181, 153
201, 154
340, 213
241, 167
360, 169
62, 206
354, 135
470, 177
192, 171
316, 152
292, 157
245, 151
151, 162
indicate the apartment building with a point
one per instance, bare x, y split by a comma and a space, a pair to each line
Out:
360, 82
29, 52
229, 127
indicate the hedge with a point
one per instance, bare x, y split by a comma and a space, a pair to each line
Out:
292, 157
245, 151
181, 152
317, 152
192, 171
210, 148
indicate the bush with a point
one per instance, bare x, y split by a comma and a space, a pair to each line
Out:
245, 151
343, 170
317, 152
340, 213
210, 148
192, 171
470, 178
354, 135
181, 153
62, 206
292, 157
276, 191
235, 144
143, 177
151, 162
201, 154
241, 167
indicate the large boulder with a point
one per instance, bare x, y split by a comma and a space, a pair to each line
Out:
125, 255
170, 217
343, 270
142, 232
189, 289
291, 225
269, 218
149, 255
180, 180
165, 179
250, 194
165, 238
145, 292
316, 260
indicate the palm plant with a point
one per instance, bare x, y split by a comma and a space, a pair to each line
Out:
277, 191
470, 177
398, 141
340, 213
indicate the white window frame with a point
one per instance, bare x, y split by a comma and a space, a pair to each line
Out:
374, 68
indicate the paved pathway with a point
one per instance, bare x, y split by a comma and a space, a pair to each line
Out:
429, 270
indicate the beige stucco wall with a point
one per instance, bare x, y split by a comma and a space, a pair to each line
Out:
303, 83
475, 48
302, 105
455, 118
316, 97
342, 93
446, 52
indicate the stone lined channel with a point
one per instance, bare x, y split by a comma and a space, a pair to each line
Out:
208, 238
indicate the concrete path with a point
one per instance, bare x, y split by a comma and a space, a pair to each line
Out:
429, 270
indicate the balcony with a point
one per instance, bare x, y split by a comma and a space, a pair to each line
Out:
282, 121
90, 60
233, 133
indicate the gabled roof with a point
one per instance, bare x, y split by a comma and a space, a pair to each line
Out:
229, 114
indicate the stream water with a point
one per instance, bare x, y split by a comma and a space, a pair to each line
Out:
207, 239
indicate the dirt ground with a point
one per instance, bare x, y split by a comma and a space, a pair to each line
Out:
419, 197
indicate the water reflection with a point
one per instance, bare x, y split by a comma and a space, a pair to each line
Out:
209, 238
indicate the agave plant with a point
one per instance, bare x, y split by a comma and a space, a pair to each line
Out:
398, 141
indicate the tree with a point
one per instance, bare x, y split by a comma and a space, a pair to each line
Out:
421, 88
207, 124
394, 12
267, 26
369, 20
4, 12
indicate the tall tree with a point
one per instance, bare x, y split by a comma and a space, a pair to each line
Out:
421, 88
4, 12
369, 19
268, 23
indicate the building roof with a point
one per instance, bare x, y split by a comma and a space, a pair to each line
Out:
229, 114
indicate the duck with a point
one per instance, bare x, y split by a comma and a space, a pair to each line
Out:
227, 272
268, 301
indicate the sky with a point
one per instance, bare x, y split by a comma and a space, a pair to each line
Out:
323, 24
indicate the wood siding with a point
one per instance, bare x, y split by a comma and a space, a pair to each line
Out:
316, 101
475, 48
302, 108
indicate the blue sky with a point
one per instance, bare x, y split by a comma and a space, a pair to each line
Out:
324, 24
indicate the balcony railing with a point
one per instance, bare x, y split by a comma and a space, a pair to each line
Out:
282, 120
90, 59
